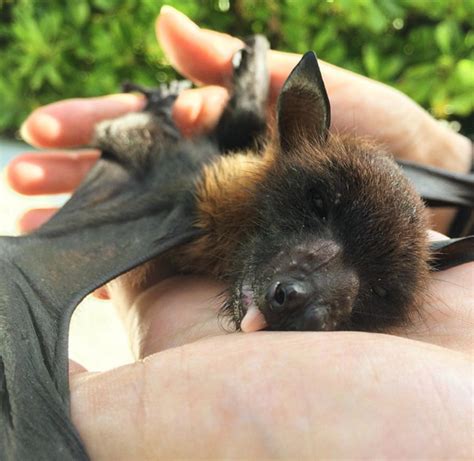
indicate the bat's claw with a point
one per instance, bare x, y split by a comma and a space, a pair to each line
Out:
129, 87
159, 99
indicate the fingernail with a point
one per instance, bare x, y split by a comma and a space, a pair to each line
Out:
28, 172
166, 9
32, 220
101, 293
134, 101
40, 128
218, 97
24, 133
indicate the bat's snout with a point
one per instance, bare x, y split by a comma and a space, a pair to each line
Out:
288, 294
293, 295
312, 288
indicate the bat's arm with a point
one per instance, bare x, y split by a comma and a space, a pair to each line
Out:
115, 221
440, 187
244, 120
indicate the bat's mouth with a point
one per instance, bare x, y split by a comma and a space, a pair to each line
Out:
295, 308
252, 319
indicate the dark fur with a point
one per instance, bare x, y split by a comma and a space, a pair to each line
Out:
381, 238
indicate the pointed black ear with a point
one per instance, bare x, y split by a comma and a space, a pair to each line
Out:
303, 105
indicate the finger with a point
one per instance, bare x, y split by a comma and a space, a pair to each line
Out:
204, 56
172, 311
75, 368
181, 39
259, 390
211, 52
101, 293
445, 317
177, 311
33, 219
70, 122
49, 172
197, 111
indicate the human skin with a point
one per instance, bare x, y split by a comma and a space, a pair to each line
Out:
197, 393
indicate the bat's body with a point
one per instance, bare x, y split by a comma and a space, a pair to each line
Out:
311, 232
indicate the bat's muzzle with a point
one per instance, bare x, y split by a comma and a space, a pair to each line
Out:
312, 287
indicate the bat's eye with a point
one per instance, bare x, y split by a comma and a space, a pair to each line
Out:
319, 206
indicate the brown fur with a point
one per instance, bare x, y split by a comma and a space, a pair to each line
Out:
226, 204
261, 215
229, 197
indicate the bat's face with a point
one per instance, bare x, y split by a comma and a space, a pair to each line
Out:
340, 242
340, 236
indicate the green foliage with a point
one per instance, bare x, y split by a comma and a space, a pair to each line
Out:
70, 48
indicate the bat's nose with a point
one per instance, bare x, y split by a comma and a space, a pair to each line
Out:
287, 294
320, 301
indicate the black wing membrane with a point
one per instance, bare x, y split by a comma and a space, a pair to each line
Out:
119, 218
440, 188
452, 252
136, 203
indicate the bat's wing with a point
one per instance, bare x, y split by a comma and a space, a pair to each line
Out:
452, 252
123, 215
439, 188
135, 204
244, 120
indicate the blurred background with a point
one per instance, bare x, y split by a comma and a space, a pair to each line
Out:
69, 48
74, 48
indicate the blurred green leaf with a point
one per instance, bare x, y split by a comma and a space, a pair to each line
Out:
80, 12
371, 60
448, 35
73, 48
464, 74
463, 103
443, 36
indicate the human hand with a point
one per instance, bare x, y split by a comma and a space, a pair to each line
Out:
300, 395
245, 366
341, 395
359, 105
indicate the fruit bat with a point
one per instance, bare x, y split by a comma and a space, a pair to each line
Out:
311, 231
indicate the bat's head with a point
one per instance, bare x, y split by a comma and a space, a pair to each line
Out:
340, 239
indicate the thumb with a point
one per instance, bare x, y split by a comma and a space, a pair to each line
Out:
203, 56
75, 368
